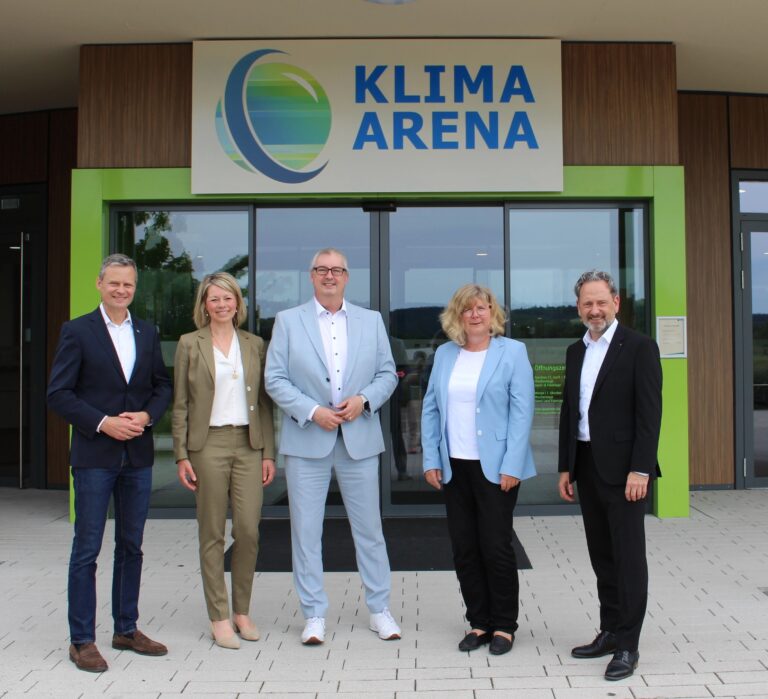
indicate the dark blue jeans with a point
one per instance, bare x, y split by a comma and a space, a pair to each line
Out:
131, 488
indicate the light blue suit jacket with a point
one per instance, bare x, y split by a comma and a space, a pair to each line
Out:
503, 415
297, 379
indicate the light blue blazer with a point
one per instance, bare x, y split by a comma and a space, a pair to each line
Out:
503, 415
297, 378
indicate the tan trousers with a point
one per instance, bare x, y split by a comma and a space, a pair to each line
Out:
228, 471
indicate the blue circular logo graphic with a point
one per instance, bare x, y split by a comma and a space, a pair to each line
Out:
274, 118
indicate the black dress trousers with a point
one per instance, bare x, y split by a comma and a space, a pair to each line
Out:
480, 525
615, 532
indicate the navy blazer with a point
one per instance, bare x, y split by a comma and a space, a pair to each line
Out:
87, 383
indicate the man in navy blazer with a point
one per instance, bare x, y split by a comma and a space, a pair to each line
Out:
609, 436
109, 382
330, 369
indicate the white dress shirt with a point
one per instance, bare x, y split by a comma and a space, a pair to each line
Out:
461, 408
230, 406
333, 333
125, 345
123, 340
593, 361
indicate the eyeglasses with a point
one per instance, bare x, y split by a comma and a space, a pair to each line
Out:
335, 271
480, 310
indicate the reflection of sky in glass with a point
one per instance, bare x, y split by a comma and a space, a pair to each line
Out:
551, 248
211, 238
286, 240
434, 251
759, 272
753, 197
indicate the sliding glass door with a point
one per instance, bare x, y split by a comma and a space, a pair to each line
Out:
405, 262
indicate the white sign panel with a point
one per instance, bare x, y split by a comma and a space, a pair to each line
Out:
376, 115
672, 337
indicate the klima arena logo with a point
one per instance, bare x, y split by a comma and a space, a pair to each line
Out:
274, 118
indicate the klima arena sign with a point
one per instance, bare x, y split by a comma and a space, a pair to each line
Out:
376, 116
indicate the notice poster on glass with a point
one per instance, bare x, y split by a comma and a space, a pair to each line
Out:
672, 336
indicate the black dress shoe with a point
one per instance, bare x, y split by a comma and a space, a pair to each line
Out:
500, 645
622, 666
604, 644
472, 641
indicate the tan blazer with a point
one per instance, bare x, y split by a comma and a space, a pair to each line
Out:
194, 383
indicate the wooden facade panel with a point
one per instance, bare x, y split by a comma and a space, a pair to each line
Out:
23, 148
62, 158
749, 131
704, 153
619, 104
135, 106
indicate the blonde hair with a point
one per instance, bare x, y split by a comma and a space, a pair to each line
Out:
450, 318
225, 281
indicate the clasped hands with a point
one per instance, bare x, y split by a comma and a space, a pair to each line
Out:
126, 425
330, 418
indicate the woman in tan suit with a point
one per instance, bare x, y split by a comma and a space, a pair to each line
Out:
224, 446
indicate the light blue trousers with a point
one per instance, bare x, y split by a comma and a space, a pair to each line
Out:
308, 482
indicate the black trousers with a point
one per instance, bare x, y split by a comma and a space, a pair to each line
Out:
480, 525
615, 530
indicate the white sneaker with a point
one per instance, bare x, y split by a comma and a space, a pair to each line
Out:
314, 631
384, 624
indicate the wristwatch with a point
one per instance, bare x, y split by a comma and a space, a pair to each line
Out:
366, 404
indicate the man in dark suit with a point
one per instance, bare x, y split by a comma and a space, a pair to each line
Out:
109, 382
609, 435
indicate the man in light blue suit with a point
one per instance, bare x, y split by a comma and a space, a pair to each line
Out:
330, 369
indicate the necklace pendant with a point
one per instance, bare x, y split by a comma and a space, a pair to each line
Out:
234, 373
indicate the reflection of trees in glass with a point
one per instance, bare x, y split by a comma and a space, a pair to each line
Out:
760, 358
563, 321
166, 291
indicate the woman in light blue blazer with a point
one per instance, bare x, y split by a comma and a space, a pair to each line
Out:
475, 429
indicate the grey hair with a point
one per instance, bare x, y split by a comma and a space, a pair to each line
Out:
116, 260
595, 275
328, 251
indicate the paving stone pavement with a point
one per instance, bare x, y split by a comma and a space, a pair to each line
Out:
706, 633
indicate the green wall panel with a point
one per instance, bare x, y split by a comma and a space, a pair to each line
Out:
94, 190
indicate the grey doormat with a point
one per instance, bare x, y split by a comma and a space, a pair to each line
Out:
413, 543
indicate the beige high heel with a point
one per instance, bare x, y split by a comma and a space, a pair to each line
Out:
250, 633
232, 641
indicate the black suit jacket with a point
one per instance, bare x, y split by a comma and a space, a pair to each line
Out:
87, 383
625, 411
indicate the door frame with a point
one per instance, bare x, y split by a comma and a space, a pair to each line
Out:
742, 225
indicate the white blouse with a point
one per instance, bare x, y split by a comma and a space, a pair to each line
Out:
462, 401
230, 406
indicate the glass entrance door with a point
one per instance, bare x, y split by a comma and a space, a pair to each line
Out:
22, 348
431, 251
286, 240
755, 355
14, 367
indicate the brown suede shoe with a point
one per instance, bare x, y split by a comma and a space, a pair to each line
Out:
139, 643
87, 658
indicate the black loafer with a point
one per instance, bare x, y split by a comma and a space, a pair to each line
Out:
604, 644
500, 645
622, 666
472, 641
